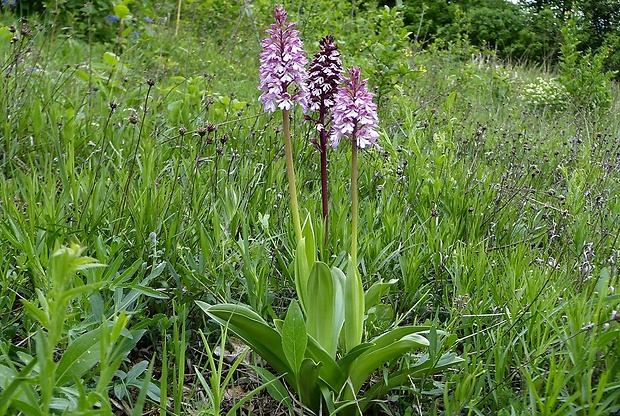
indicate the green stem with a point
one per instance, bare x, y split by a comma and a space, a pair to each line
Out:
290, 172
354, 202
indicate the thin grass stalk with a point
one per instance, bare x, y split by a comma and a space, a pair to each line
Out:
163, 381
132, 166
176, 30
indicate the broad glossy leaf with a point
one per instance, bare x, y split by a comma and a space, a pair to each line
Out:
320, 307
302, 272
345, 362
309, 390
125, 344
307, 233
375, 357
397, 333
294, 337
339, 279
374, 294
254, 331
330, 372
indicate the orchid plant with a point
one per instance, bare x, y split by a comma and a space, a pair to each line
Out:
319, 347
324, 78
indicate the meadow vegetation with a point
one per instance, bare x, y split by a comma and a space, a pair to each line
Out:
139, 174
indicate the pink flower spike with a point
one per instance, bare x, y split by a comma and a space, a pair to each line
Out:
283, 64
355, 115
324, 77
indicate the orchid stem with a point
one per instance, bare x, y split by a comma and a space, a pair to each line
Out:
354, 202
324, 195
290, 172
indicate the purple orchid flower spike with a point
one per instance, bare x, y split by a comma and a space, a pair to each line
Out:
324, 78
355, 115
325, 75
283, 64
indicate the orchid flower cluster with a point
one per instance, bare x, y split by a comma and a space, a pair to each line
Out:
318, 348
344, 107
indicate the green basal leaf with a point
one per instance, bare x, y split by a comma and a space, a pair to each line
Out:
330, 372
354, 307
309, 390
345, 362
302, 272
397, 333
254, 331
374, 294
307, 233
320, 308
305, 257
373, 358
339, 280
294, 337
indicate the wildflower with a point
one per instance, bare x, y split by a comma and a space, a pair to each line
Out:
283, 63
355, 115
148, 20
10, 3
112, 18
325, 74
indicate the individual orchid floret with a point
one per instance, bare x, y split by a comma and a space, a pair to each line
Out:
355, 115
324, 77
283, 65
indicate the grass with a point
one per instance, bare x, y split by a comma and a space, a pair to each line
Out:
498, 218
